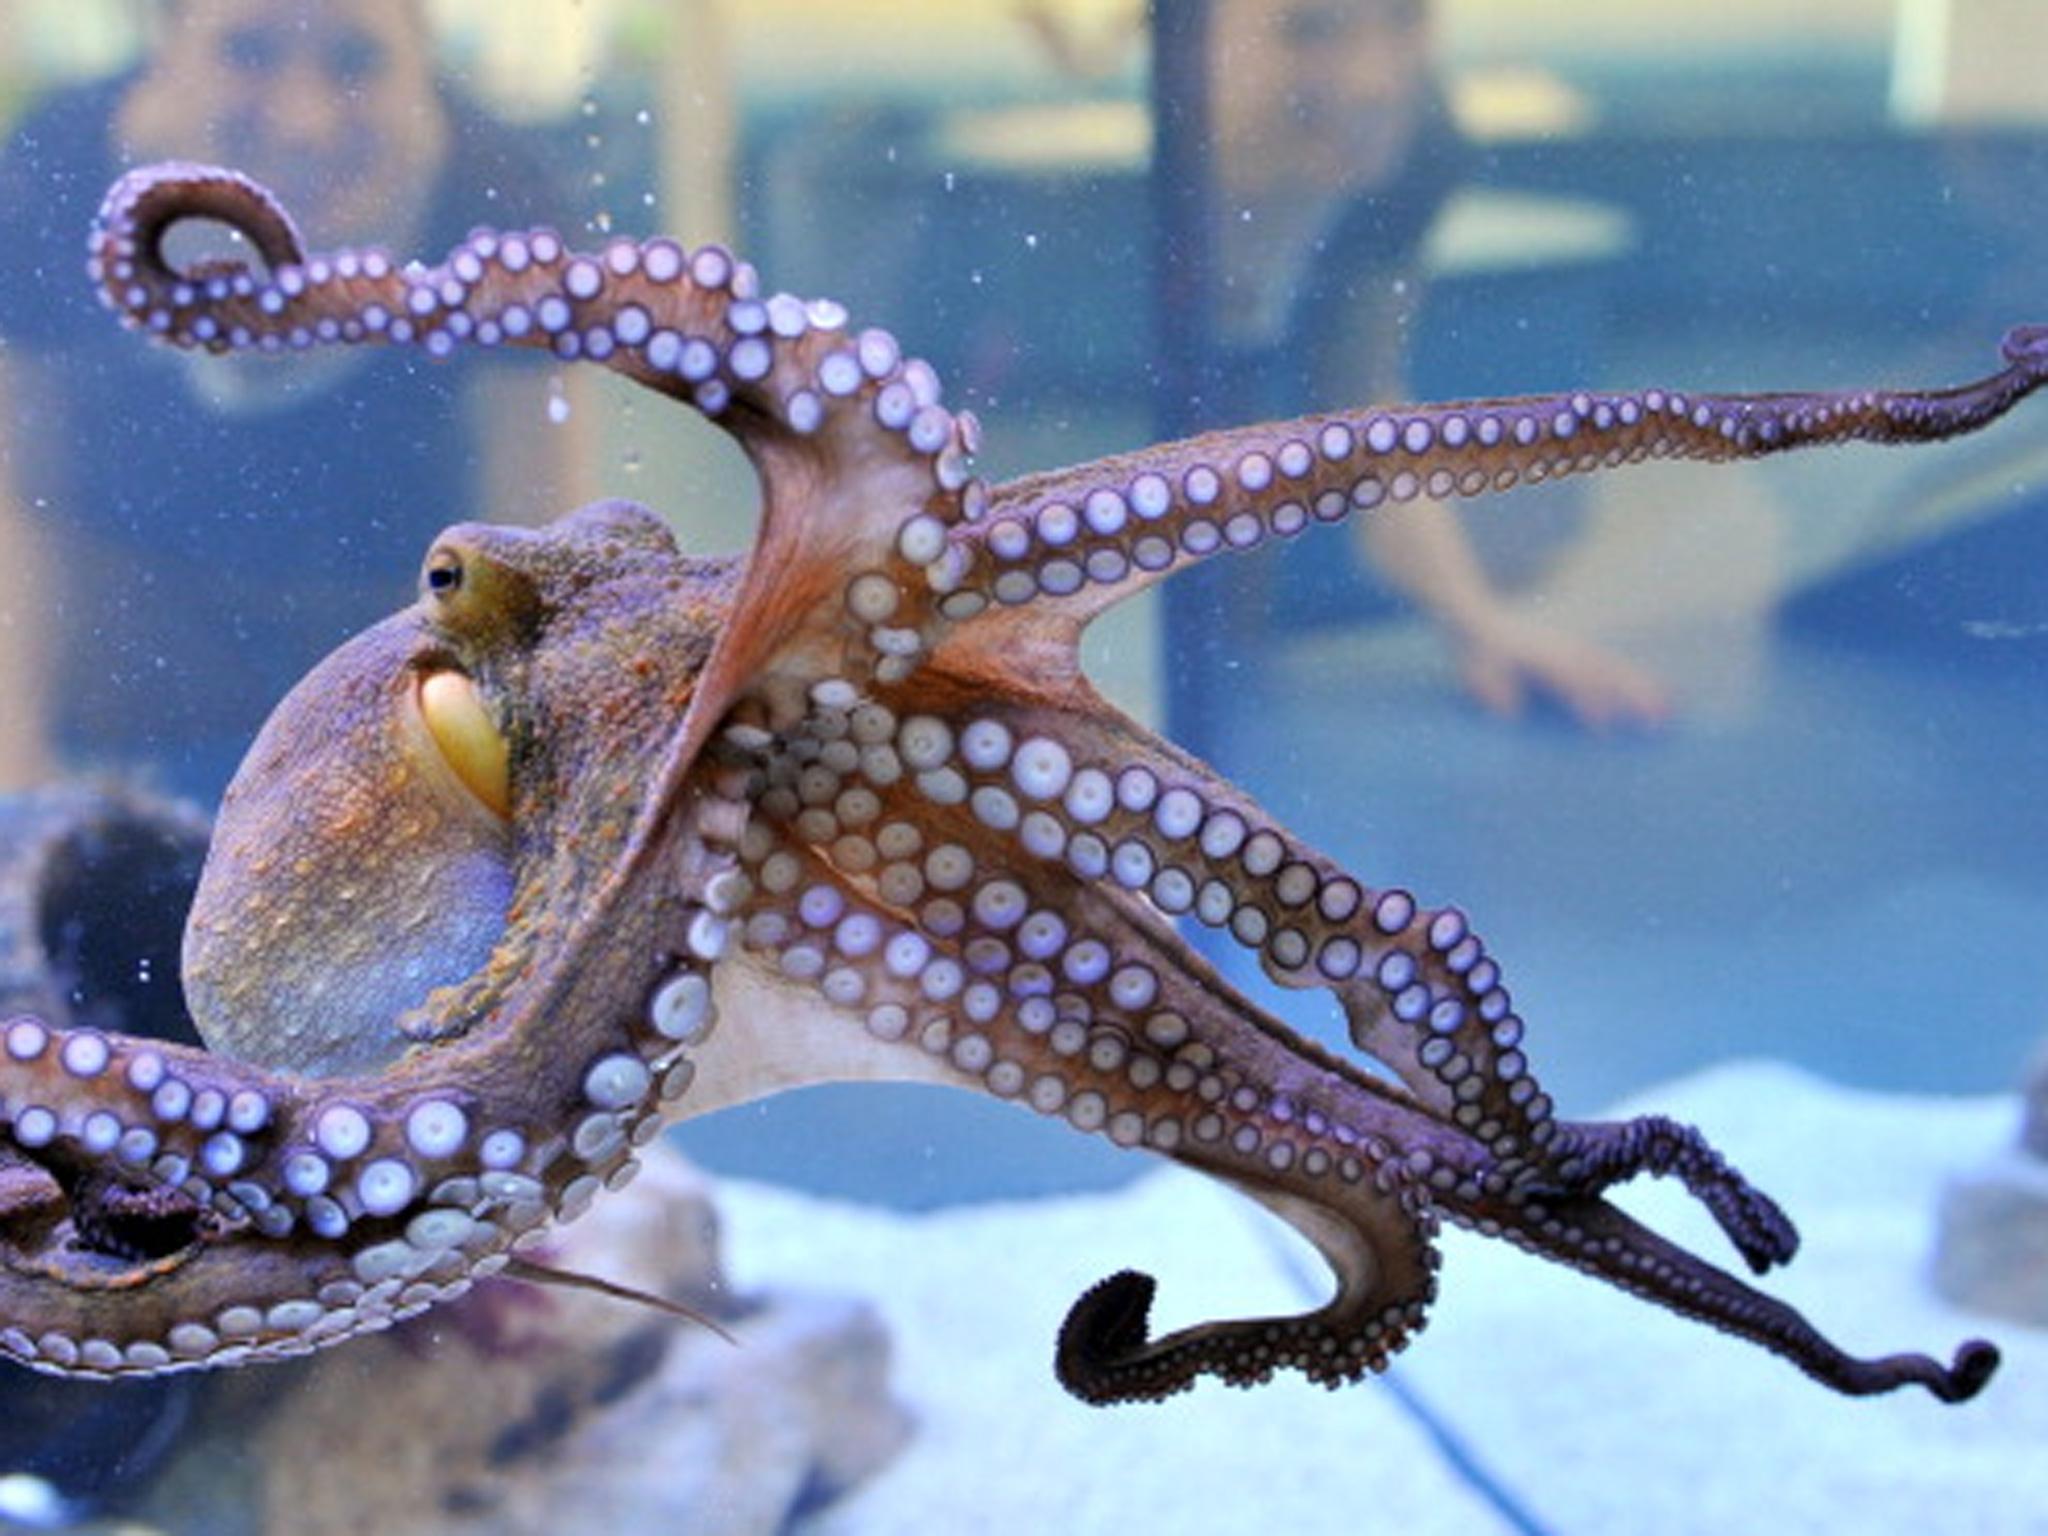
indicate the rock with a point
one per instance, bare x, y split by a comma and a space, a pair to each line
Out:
524, 1409
1992, 1250
1992, 1255
94, 883
2034, 1110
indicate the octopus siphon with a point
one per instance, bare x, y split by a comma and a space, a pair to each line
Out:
597, 834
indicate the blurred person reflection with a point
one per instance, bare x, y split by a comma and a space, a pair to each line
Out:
1334, 151
181, 537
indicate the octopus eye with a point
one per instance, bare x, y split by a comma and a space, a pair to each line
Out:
444, 573
469, 743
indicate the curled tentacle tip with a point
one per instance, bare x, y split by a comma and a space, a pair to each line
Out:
1957, 1382
166, 179
1107, 1325
2026, 345
1109, 1318
1975, 1361
145, 202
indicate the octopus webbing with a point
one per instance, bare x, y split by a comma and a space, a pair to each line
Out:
597, 834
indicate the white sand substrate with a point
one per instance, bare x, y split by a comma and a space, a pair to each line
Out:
1596, 1412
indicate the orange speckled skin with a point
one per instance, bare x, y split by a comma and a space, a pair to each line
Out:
585, 640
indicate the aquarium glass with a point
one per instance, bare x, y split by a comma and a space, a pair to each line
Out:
1737, 768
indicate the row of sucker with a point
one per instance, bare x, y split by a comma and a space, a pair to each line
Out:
949, 952
385, 1200
1424, 995
692, 324
1091, 535
978, 960
919, 941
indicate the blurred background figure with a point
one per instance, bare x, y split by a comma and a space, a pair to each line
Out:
1335, 152
181, 538
238, 519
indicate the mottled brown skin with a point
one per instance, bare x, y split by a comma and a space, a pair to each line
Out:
846, 809
347, 845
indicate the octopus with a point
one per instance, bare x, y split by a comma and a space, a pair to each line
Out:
598, 833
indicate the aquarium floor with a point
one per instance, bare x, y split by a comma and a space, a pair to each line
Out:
1583, 1410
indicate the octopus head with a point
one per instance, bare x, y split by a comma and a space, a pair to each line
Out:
430, 800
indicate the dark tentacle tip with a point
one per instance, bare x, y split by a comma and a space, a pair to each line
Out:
1755, 1223
1975, 1361
1103, 1329
2025, 344
152, 199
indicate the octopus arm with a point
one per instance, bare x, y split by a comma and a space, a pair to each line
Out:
166, 1208
1598, 1238
875, 541
863, 469
1023, 860
1081, 539
933, 952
